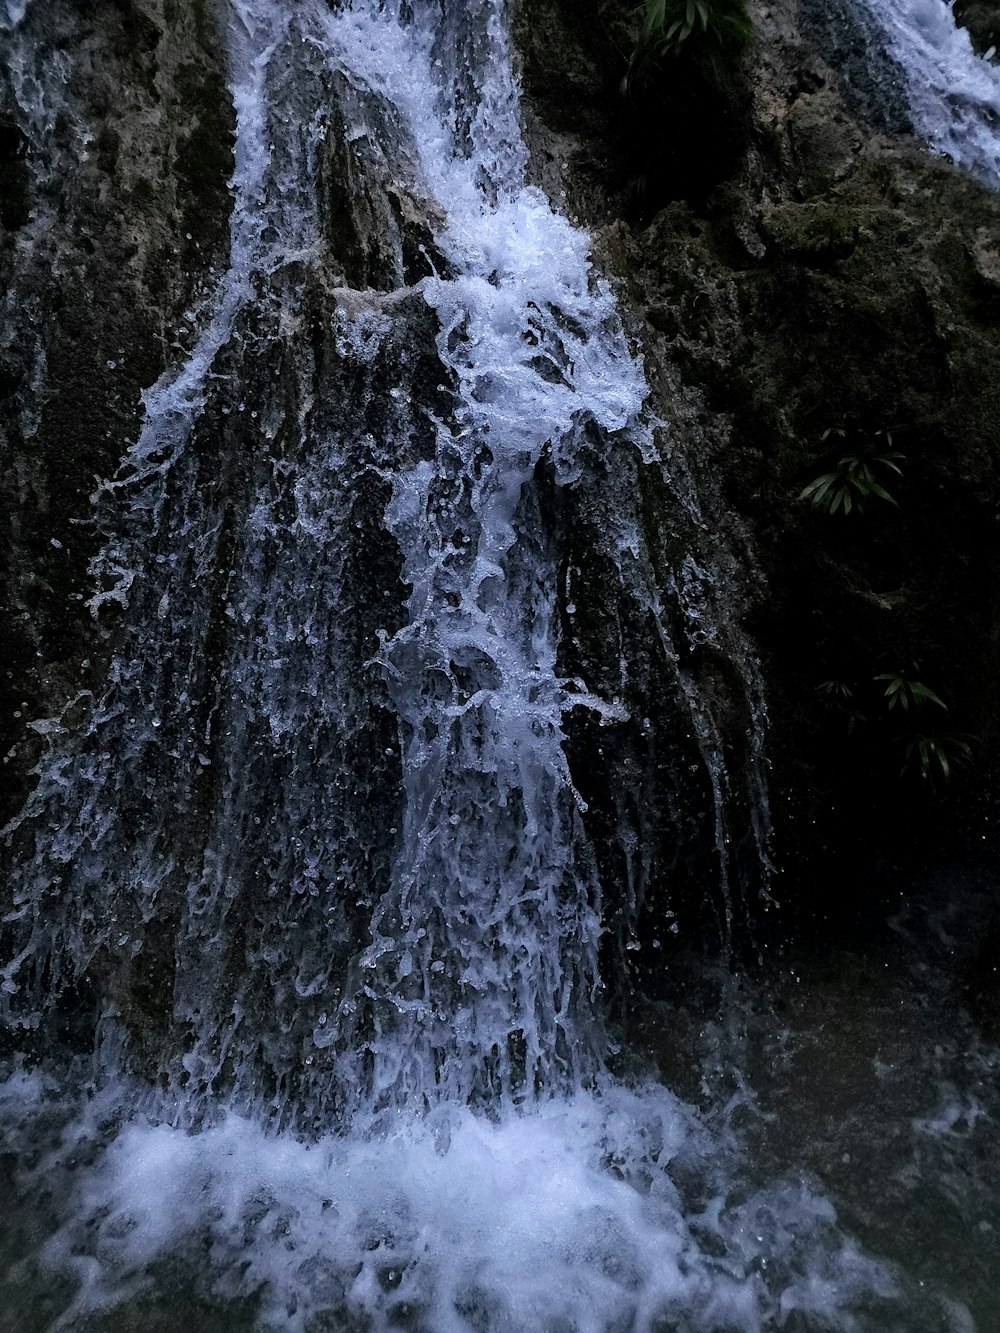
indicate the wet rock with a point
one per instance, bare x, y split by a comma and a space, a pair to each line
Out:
113, 215
849, 41
982, 981
837, 277
982, 18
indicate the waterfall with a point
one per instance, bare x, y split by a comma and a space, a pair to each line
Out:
953, 94
485, 943
314, 855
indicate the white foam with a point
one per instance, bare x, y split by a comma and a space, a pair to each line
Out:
954, 94
563, 1218
12, 12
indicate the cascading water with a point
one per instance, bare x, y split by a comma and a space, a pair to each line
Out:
953, 94
316, 850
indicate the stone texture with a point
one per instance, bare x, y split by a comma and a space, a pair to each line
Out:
835, 276
115, 217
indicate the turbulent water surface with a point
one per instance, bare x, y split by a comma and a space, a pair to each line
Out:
313, 863
953, 94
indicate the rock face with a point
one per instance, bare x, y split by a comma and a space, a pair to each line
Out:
243, 531
817, 285
113, 182
982, 18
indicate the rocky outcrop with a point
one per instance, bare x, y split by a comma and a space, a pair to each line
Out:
814, 283
982, 18
113, 225
244, 532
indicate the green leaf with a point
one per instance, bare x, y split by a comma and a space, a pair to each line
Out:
924, 694
656, 15
895, 682
882, 493
818, 487
835, 687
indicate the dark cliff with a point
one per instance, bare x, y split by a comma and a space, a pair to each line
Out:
808, 281
113, 219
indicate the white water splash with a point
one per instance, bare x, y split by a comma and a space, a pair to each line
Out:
486, 944
953, 93
563, 1219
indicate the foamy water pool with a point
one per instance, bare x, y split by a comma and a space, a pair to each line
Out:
616, 1209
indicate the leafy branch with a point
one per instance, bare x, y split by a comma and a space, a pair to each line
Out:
906, 694
720, 29
928, 754
855, 478
932, 757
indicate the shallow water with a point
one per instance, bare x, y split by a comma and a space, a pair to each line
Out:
835, 1165
614, 1209
867, 1076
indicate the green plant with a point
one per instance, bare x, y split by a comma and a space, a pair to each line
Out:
840, 698
855, 478
906, 694
836, 691
931, 757
718, 29
724, 23
928, 755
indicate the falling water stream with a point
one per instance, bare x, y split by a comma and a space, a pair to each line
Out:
953, 94
315, 848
